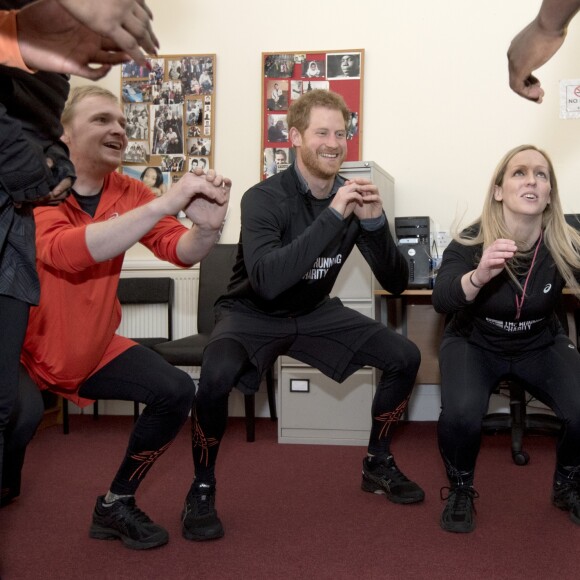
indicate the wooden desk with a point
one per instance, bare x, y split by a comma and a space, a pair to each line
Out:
411, 313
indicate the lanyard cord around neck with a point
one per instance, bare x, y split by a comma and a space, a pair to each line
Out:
520, 301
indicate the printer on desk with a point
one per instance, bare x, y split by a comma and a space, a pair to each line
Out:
414, 240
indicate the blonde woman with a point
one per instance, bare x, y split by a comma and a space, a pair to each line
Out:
500, 284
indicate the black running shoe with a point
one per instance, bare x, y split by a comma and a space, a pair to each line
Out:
123, 520
566, 496
199, 516
459, 513
384, 477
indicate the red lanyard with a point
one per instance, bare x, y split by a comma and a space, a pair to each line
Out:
520, 301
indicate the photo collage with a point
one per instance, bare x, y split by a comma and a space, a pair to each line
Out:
169, 106
286, 77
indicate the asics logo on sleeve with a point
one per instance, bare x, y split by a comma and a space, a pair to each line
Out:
547, 288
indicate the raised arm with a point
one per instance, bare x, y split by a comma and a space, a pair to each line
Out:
51, 39
126, 22
106, 240
536, 44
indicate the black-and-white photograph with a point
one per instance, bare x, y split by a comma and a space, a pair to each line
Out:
295, 89
137, 116
199, 162
167, 126
314, 69
275, 160
310, 85
279, 65
197, 146
173, 163
352, 128
343, 65
194, 131
171, 93
136, 152
194, 112
277, 95
277, 129
174, 70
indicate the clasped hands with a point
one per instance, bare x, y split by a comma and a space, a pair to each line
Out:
358, 196
203, 197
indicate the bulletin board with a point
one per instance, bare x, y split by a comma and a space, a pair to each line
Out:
169, 107
288, 75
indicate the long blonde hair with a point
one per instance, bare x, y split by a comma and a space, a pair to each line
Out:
561, 239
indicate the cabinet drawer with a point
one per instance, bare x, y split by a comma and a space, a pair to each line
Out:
328, 412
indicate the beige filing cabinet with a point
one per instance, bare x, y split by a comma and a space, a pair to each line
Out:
311, 407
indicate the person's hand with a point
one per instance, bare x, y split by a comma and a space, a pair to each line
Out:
493, 260
203, 197
58, 194
62, 188
359, 196
50, 39
372, 204
528, 51
126, 22
208, 211
346, 199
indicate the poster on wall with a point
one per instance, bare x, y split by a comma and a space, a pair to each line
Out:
169, 107
287, 76
570, 99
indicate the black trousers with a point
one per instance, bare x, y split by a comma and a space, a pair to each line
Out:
468, 377
335, 339
13, 322
139, 374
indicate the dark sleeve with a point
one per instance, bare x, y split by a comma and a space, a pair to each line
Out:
448, 294
387, 263
272, 267
24, 174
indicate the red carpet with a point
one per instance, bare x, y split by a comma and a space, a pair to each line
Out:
290, 512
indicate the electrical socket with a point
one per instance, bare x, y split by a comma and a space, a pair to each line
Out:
442, 239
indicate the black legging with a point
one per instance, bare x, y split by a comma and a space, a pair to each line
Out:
141, 375
13, 322
26, 417
468, 377
225, 361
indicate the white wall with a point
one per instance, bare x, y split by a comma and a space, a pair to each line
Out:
438, 113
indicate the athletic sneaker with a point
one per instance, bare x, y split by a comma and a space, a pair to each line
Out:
199, 516
566, 496
459, 513
384, 477
124, 520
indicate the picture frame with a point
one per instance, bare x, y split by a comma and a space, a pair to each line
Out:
288, 75
170, 110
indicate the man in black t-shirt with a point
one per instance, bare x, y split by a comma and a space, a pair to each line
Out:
298, 228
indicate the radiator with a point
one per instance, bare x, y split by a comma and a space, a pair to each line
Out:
151, 320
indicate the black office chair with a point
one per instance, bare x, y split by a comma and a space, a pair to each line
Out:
214, 275
519, 421
138, 291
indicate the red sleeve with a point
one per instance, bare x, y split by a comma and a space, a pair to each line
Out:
9, 49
